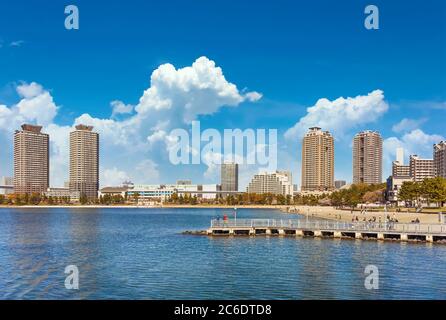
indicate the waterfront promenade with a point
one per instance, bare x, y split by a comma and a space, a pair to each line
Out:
334, 229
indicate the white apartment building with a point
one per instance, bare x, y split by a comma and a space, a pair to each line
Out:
421, 169
279, 182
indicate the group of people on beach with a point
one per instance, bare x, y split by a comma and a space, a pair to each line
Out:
372, 221
389, 222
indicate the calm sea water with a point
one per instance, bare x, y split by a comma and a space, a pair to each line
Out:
140, 254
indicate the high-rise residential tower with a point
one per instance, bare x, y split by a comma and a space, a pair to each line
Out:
367, 157
229, 177
440, 159
31, 160
84, 161
317, 160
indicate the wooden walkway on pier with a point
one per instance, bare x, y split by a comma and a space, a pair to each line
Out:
325, 228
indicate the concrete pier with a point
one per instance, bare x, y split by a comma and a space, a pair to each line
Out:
434, 233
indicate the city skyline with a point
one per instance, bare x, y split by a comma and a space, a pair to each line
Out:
317, 148
297, 86
223, 158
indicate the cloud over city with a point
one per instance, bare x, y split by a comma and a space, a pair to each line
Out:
414, 142
340, 115
174, 98
407, 125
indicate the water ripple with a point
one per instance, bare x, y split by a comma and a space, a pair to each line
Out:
140, 254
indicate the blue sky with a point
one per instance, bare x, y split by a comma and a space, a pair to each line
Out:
293, 53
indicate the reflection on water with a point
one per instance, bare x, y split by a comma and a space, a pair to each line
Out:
140, 254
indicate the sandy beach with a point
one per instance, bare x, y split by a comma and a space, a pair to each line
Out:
346, 215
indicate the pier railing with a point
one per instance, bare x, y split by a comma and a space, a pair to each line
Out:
331, 225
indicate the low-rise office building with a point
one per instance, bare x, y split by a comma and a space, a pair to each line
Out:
147, 194
113, 191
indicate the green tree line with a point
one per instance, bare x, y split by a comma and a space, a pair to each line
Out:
431, 190
42, 199
250, 199
358, 193
108, 199
32, 199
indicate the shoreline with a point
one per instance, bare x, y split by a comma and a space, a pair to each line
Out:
322, 212
276, 207
250, 206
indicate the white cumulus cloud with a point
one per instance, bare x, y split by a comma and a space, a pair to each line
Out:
120, 107
174, 98
113, 177
340, 115
36, 105
188, 92
148, 172
407, 125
